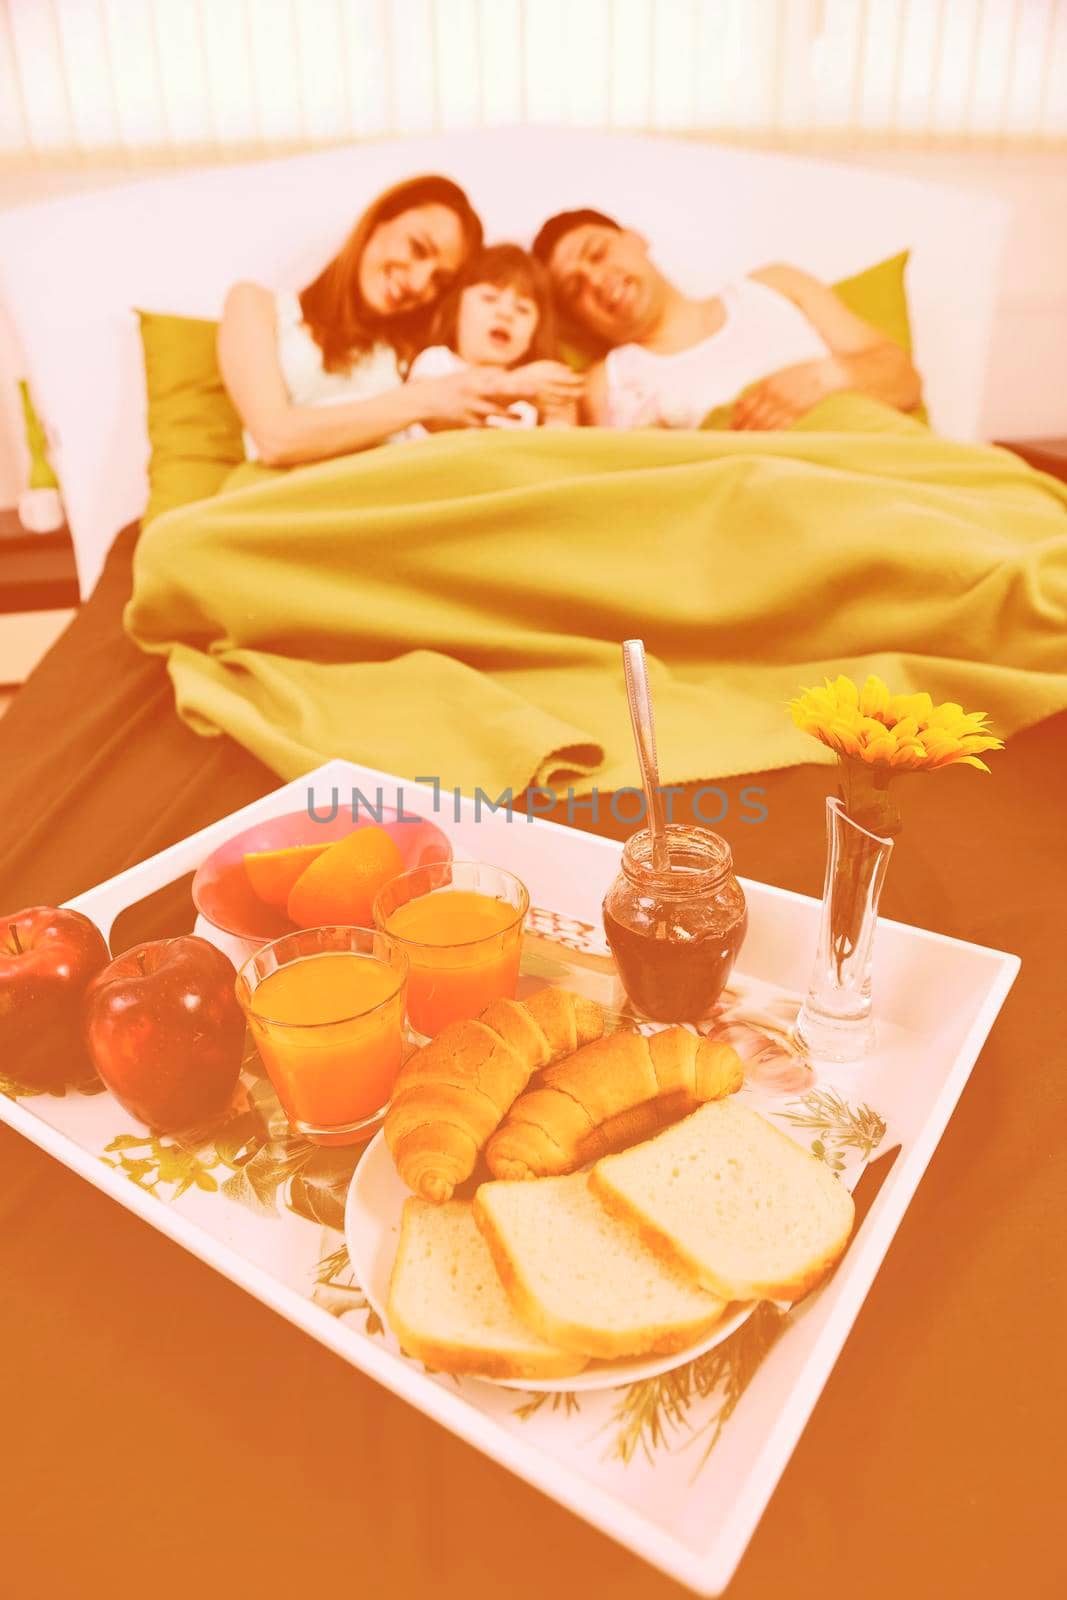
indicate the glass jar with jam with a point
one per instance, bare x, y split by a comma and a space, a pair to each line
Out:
675, 932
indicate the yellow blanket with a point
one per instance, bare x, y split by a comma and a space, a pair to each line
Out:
453, 608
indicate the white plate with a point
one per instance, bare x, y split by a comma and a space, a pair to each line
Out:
372, 1232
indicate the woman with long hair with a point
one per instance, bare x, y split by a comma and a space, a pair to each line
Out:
320, 373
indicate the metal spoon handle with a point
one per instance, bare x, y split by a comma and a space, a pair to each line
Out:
639, 697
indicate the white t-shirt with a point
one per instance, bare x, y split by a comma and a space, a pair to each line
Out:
438, 361
763, 331
306, 379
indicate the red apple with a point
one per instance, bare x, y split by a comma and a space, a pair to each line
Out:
165, 1032
47, 957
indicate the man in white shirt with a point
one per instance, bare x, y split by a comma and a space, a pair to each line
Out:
609, 287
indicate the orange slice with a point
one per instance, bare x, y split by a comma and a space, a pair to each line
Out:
341, 885
272, 873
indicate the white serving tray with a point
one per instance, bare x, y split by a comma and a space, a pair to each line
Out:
680, 1473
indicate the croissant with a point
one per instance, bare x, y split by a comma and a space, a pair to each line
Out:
451, 1094
612, 1093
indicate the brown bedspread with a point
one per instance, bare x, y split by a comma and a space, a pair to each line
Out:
163, 1430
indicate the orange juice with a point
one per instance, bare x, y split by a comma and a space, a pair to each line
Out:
329, 1028
464, 949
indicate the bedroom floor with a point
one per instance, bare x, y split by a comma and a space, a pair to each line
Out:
25, 636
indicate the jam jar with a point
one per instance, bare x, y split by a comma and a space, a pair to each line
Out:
675, 933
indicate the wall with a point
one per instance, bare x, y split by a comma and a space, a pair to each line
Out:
216, 78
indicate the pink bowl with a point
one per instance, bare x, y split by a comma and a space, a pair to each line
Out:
224, 897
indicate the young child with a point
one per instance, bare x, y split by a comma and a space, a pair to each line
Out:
499, 313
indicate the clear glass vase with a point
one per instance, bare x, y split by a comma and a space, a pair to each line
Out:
835, 1022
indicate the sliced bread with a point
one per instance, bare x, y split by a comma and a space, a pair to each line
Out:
447, 1305
732, 1201
584, 1280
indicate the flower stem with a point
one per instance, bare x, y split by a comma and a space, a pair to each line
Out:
865, 794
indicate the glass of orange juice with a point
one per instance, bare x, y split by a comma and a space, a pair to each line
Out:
325, 1007
460, 923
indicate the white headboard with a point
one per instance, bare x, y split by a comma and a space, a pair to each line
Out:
72, 270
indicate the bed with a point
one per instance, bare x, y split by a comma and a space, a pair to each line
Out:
175, 244
134, 1378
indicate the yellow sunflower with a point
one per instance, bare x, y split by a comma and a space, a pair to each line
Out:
895, 732
877, 736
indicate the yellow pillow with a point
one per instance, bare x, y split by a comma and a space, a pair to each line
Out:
576, 355
194, 431
879, 297
41, 474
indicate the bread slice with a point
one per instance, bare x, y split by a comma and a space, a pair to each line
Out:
728, 1198
447, 1305
584, 1280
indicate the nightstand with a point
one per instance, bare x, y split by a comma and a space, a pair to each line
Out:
38, 593
1047, 455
